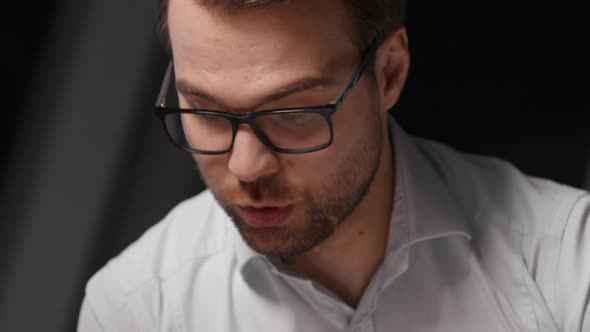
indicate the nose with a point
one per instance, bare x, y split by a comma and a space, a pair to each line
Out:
250, 159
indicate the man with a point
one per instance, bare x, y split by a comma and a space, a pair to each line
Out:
321, 214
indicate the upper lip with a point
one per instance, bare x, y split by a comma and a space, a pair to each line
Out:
263, 205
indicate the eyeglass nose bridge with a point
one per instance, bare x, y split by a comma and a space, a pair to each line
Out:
238, 119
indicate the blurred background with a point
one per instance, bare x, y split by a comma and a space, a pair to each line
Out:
86, 168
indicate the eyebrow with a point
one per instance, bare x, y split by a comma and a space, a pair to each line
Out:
300, 85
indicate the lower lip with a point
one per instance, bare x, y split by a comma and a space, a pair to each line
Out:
265, 217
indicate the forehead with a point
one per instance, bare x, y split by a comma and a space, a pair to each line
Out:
302, 20
259, 45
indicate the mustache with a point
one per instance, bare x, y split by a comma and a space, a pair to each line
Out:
265, 190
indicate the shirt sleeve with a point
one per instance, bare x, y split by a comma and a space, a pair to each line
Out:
573, 273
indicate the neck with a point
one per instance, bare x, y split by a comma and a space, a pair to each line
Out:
346, 262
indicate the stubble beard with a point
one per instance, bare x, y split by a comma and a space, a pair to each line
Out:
306, 229
317, 216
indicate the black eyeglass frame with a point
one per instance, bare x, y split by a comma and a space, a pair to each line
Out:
326, 111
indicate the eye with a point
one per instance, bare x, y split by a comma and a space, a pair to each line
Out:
299, 118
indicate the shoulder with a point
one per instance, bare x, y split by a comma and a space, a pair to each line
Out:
492, 190
532, 230
192, 232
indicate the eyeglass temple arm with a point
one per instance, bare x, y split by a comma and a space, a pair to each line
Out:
366, 59
348, 88
161, 101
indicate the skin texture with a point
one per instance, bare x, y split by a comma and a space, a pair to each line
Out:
341, 196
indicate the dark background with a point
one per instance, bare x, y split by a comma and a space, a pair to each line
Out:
86, 168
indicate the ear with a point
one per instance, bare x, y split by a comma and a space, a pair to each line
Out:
392, 63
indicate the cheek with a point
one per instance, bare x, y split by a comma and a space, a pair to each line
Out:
213, 169
309, 171
354, 121
357, 127
303, 172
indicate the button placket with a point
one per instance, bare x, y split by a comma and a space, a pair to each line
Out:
366, 325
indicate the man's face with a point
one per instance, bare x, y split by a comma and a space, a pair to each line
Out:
282, 204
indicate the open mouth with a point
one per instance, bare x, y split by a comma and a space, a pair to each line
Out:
266, 216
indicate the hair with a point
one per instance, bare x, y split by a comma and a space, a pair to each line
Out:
374, 18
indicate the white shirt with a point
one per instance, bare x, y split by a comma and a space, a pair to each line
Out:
474, 245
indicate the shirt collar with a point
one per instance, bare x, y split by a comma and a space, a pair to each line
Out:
424, 208
424, 204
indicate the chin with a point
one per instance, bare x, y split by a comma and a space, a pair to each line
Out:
297, 236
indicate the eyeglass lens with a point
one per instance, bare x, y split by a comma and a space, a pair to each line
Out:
291, 130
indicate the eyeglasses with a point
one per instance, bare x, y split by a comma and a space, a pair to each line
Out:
291, 130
